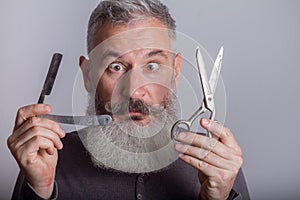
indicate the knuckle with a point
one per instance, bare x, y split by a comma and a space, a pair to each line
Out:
54, 126
188, 150
196, 140
218, 130
227, 131
27, 161
211, 143
36, 138
56, 140
20, 115
192, 138
240, 161
199, 164
12, 144
20, 112
239, 150
203, 154
18, 153
35, 130
34, 121
213, 183
9, 141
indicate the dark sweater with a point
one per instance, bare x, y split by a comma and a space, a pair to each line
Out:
77, 178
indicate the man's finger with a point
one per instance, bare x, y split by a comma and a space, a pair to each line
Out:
204, 155
206, 143
39, 122
222, 132
203, 166
38, 131
30, 111
31, 149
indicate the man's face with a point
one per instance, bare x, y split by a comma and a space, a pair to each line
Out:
132, 66
131, 74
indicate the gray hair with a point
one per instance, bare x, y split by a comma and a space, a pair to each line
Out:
123, 12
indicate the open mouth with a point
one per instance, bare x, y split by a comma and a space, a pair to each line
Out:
132, 115
135, 115
135, 108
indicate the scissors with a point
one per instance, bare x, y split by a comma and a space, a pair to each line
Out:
208, 90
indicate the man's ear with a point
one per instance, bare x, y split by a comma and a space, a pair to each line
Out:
177, 65
84, 66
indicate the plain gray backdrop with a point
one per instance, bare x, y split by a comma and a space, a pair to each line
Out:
260, 71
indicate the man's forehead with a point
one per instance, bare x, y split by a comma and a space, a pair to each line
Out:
135, 39
143, 53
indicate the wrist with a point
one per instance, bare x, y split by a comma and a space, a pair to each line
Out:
232, 195
204, 196
44, 192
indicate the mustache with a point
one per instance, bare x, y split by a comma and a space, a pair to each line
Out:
134, 105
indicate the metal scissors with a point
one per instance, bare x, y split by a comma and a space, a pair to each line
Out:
208, 90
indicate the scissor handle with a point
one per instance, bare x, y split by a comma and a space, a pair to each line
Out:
176, 127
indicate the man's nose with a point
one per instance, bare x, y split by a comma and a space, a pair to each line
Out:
134, 85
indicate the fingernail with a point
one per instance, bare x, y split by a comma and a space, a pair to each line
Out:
46, 107
182, 135
205, 121
61, 145
62, 132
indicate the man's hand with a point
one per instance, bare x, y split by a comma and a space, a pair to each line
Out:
34, 143
218, 159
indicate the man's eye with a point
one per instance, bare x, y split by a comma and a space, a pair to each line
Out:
152, 66
116, 67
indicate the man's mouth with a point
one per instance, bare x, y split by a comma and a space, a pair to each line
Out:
133, 107
136, 118
136, 115
134, 110
137, 111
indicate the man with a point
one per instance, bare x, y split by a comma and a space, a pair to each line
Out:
131, 74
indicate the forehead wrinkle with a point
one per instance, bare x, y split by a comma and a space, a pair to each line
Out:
157, 52
117, 55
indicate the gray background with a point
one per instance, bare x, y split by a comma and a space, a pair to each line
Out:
260, 72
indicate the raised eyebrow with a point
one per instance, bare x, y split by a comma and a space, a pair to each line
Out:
113, 54
116, 56
157, 52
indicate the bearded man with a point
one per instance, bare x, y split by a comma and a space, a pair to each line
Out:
131, 74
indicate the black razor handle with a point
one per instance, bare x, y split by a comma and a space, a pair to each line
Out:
50, 78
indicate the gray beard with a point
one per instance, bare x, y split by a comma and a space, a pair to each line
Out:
129, 147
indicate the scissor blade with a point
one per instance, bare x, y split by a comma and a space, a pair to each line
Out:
215, 73
203, 76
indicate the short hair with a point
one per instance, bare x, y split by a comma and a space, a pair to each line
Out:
123, 12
